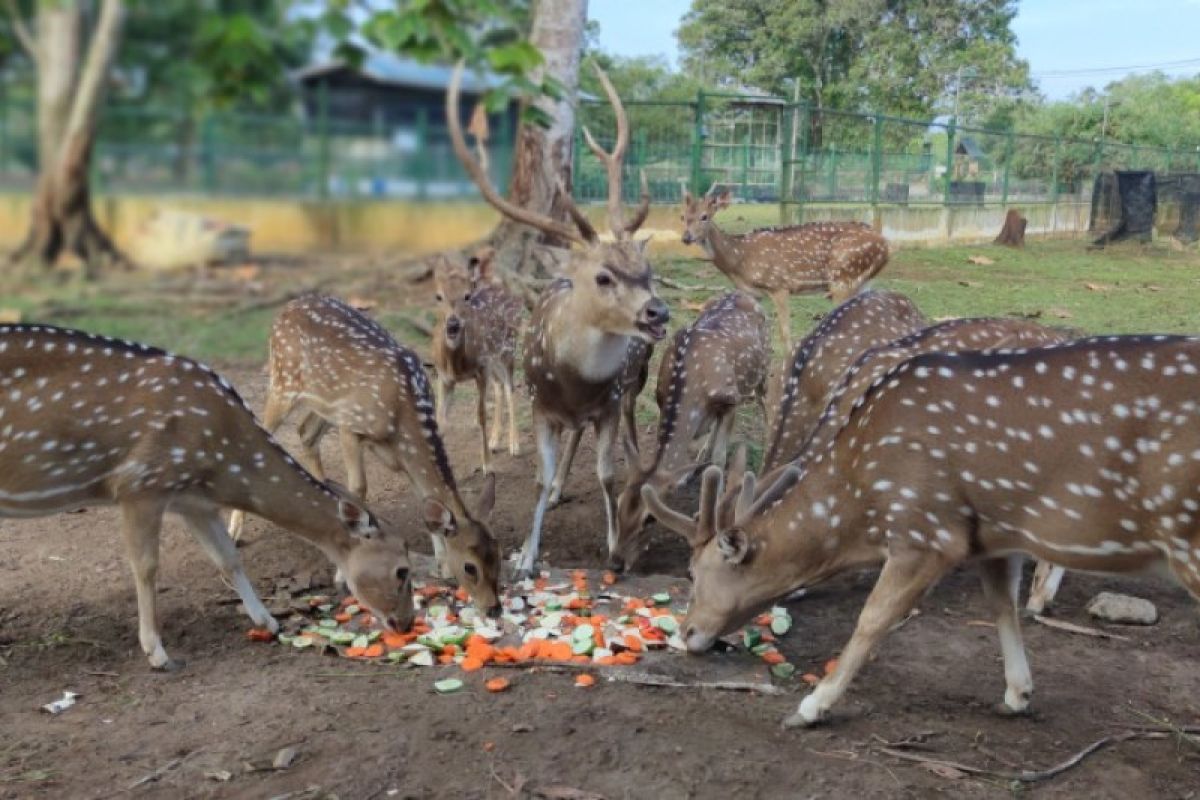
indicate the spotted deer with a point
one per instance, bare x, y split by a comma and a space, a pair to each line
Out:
714, 365
1084, 454
346, 371
832, 257
476, 338
87, 420
866, 320
577, 341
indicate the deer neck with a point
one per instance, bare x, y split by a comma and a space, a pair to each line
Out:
724, 250
596, 355
682, 415
818, 530
301, 504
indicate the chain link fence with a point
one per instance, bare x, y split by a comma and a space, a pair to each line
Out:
762, 148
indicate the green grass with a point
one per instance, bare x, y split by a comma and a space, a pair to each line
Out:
1134, 288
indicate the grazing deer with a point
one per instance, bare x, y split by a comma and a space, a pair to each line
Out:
820, 359
86, 420
476, 338
833, 257
1086, 454
345, 370
577, 341
715, 364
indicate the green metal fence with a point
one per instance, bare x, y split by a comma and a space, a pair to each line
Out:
762, 148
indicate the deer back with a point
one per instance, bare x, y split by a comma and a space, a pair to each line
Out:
801, 257
817, 363
981, 333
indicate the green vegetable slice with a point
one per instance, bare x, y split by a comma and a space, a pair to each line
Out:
447, 686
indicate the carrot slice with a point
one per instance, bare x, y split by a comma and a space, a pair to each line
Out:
496, 684
355, 652
350, 600
342, 616
560, 651
449, 649
634, 643
609, 578
470, 664
373, 651
444, 659
393, 639
830, 666
773, 657
810, 679
627, 659
607, 661
461, 595
583, 679
260, 635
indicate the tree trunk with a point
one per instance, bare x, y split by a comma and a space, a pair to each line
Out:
69, 103
543, 156
1013, 232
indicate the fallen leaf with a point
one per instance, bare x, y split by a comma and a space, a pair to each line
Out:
1152, 287
1060, 313
944, 770
565, 793
522, 727
691, 305
284, 758
221, 775
970, 284
1096, 287
980, 623
982, 261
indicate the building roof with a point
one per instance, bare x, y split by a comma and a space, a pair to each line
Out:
968, 147
398, 71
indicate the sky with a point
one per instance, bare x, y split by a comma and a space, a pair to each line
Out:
1054, 36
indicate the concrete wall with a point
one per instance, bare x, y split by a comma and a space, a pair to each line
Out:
295, 226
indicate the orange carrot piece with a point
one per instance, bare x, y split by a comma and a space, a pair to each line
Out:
342, 616
830, 666
460, 594
355, 652
444, 659
810, 679
349, 600
609, 578
561, 651
583, 679
581, 659
773, 657
260, 635
634, 643
626, 659
607, 661
496, 684
373, 651
449, 649
470, 664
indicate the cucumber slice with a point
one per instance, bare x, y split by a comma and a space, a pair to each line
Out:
662, 599
667, 625
327, 622
783, 670
761, 649
447, 686
325, 608
581, 647
352, 609
553, 605
285, 638
584, 631
373, 636
342, 637
781, 624
360, 641
751, 637
423, 658
397, 656
300, 642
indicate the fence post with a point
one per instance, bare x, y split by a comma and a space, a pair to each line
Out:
323, 152
876, 157
1054, 169
422, 161
950, 128
698, 144
1008, 155
1097, 159
832, 181
786, 156
745, 164
3, 127
208, 160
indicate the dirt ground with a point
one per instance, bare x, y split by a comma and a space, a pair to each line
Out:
68, 621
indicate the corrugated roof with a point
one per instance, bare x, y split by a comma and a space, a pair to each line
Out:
398, 71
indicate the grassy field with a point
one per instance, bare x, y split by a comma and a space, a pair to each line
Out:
1124, 288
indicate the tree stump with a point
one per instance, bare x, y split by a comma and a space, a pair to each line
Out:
1013, 232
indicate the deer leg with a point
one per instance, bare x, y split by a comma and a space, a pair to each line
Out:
497, 413
904, 578
443, 390
547, 445
274, 413
514, 444
141, 522
312, 429
606, 438
1046, 580
564, 466
481, 416
783, 316
719, 439
205, 525
629, 413
1001, 587
352, 454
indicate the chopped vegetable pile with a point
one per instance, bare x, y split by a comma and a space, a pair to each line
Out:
540, 623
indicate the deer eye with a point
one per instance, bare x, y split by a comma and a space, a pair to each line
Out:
402, 574
603, 279
438, 297
467, 296
472, 571
704, 217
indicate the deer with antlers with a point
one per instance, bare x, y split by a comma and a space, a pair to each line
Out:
346, 371
577, 341
832, 257
714, 365
476, 338
87, 420
1084, 454
820, 359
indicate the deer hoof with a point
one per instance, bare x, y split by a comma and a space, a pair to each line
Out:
798, 720
170, 665
1005, 710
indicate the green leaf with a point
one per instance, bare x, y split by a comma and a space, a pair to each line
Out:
519, 57
532, 115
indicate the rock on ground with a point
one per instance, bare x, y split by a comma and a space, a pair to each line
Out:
1123, 608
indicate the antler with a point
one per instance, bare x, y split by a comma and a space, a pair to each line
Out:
612, 165
479, 176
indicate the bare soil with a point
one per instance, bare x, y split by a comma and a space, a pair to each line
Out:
68, 621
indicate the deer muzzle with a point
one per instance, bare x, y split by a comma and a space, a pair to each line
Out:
652, 321
454, 329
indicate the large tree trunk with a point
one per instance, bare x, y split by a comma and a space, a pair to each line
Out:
69, 103
543, 156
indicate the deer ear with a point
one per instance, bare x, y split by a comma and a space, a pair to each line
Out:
487, 497
723, 200
642, 244
479, 267
438, 518
734, 546
356, 519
